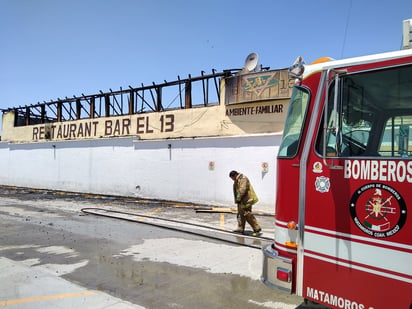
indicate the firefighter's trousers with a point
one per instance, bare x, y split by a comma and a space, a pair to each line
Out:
244, 214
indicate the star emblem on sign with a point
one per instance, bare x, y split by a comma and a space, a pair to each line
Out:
258, 84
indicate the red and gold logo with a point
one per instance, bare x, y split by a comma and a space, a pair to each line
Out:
378, 210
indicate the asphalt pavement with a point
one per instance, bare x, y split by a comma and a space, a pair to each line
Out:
23, 286
26, 287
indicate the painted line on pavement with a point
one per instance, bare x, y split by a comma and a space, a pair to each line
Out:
152, 213
222, 220
43, 298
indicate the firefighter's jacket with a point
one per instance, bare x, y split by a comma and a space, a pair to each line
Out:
243, 192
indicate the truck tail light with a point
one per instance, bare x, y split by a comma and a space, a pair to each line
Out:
283, 274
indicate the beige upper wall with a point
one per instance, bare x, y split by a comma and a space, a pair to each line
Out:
250, 104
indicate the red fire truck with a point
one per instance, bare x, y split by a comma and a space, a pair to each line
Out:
343, 234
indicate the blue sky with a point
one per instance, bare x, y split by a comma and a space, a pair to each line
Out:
56, 48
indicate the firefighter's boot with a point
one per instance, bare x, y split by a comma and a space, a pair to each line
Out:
250, 218
241, 222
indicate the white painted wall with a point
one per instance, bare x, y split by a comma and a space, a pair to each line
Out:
147, 169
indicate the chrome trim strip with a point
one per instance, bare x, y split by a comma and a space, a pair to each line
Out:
302, 180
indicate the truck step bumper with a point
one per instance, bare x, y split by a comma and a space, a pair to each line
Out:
277, 271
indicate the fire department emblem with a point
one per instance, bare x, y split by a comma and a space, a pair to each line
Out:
378, 210
322, 184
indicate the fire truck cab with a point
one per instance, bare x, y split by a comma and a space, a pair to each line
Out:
343, 232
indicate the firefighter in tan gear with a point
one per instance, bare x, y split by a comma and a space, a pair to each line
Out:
245, 197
